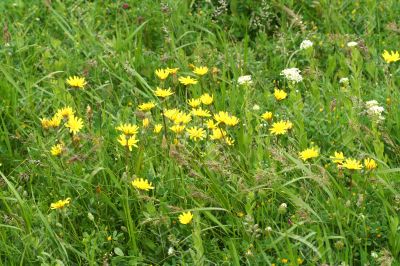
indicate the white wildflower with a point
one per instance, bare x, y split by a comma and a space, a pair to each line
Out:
374, 111
292, 74
306, 44
344, 81
352, 44
171, 251
245, 80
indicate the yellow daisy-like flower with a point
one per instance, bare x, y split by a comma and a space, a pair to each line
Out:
194, 103
172, 71
267, 116
370, 164
45, 123
187, 80
218, 133
229, 141
201, 112
128, 129
185, 217
309, 153
392, 56
145, 122
279, 94
226, 118
65, 112
76, 82
57, 149
232, 121
338, 157
281, 127
178, 129
352, 164
163, 93
196, 133
157, 128
55, 121
171, 114
200, 70
142, 184
146, 106
211, 124
162, 73
182, 118
128, 141
74, 124
206, 99
60, 204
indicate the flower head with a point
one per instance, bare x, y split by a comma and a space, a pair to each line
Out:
146, 106
218, 133
200, 70
65, 112
182, 118
338, 157
145, 122
194, 102
172, 71
142, 184
280, 128
76, 82
392, 56
226, 118
292, 74
370, 164
352, 44
171, 114
162, 73
128, 129
157, 128
309, 153
60, 204
177, 129
267, 115
306, 44
187, 80
196, 133
352, 164
279, 94
128, 141
57, 149
201, 112
185, 217
163, 93
206, 99
245, 80
74, 124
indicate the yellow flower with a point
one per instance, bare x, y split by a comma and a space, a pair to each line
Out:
211, 124
187, 80
267, 115
300, 261
171, 114
146, 106
200, 71
74, 124
284, 260
162, 73
279, 94
163, 93
177, 129
45, 123
157, 128
185, 217
128, 141
109, 238
217, 133
142, 184
76, 82
196, 133
194, 102
128, 129
281, 127
55, 121
60, 204
206, 99
309, 153
370, 164
338, 157
65, 112
352, 164
145, 122
229, 141
391, 56
182, 118
57, 149
226, 118
201, 112
172, 70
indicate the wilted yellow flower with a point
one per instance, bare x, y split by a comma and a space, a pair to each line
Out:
200, 71
76, 82
201, 112
196, 133
279, 94
187, 80
218, 133
60, 204
178, 129
309, 153
142, 184
162, 73
338, 157
157, 128
172, 70
146, 106
65, 112
194, 102
370, 164
352, 164
57, 149
392, 56
185, 217
267, 115
206, 99
281, 127
128, 141
128, 129
163, 93
145, 122
74, 124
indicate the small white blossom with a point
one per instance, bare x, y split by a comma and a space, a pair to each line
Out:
292, 74
171, 251
306, 44
245, 80
352, 44
374, 111
256, 107
344, 81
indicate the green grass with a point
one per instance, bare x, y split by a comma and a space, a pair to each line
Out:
235, 193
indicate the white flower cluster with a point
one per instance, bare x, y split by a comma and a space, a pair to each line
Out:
292, 74
344, 81
352, 44
245, 80
306, 44
374, 110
